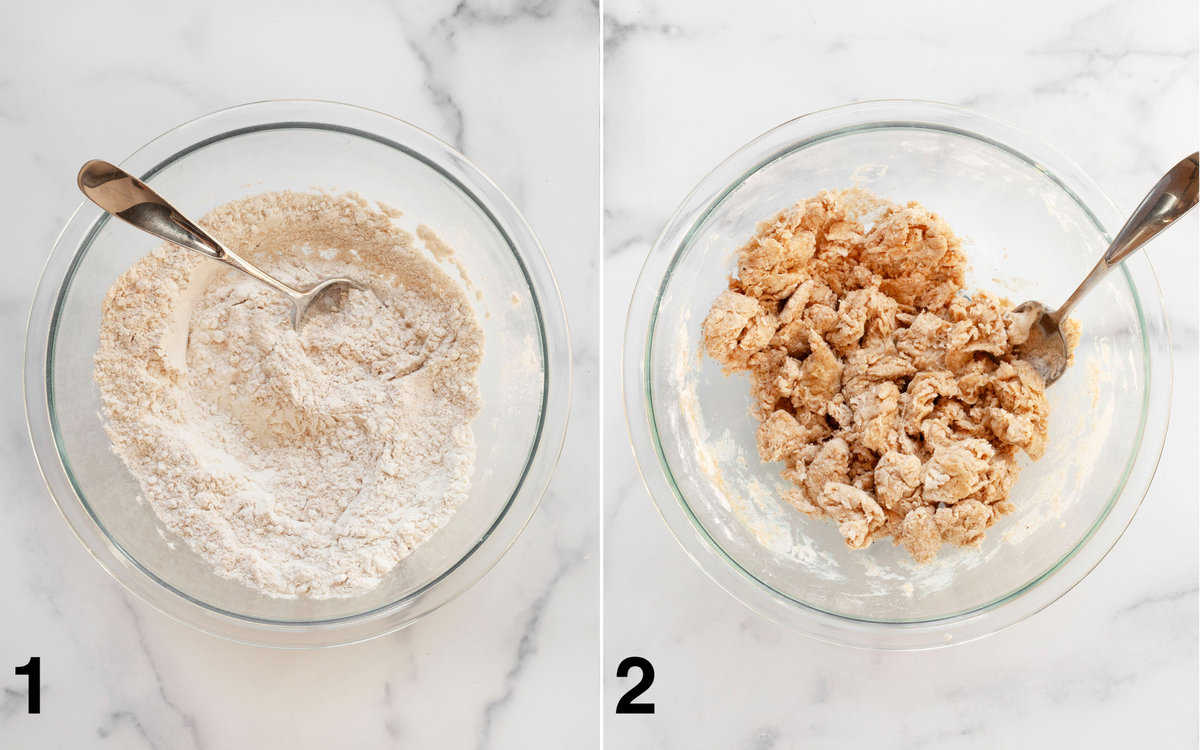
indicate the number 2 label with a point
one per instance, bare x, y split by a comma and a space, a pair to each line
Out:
626, 704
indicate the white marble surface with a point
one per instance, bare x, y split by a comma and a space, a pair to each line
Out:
512, 663
515, 662
1112, 664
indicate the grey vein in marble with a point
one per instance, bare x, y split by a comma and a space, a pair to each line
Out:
526, 647
117, 719
618, 33
1156, 599
185, 718
15, 702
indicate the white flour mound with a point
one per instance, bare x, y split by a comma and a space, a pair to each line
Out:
300, 465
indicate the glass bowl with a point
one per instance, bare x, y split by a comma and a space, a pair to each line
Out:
1033, 225
300, 145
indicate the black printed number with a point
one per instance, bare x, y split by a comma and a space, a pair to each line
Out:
33, 670
626, 704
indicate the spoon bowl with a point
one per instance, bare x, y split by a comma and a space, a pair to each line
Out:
309, 297
1046, 348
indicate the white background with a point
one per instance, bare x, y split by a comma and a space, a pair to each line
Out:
1114, 86
514, 662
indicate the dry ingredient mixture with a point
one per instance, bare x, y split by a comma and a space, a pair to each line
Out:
894, 399
302, 464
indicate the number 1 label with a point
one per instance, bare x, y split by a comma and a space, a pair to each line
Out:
33, 670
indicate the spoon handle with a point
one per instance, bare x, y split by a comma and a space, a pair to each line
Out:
1170, 198
128, 198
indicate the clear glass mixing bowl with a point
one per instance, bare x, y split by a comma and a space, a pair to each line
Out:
1033, 225
301, 145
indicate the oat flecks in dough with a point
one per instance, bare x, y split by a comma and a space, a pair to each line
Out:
893, 398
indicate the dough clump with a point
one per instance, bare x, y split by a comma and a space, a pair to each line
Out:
894, 399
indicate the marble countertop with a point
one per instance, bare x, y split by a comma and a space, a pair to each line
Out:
516, 661
1112, 663
81, 80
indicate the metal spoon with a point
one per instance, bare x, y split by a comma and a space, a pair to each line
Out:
128, 198
1172, 197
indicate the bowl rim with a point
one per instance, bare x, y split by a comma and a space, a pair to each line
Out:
86, 222
689, 531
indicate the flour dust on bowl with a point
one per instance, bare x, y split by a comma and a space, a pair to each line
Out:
467, 233
1032, 224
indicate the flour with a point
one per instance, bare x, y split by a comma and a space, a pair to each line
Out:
298, 464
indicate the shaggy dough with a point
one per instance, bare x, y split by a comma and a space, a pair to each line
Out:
893, 398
